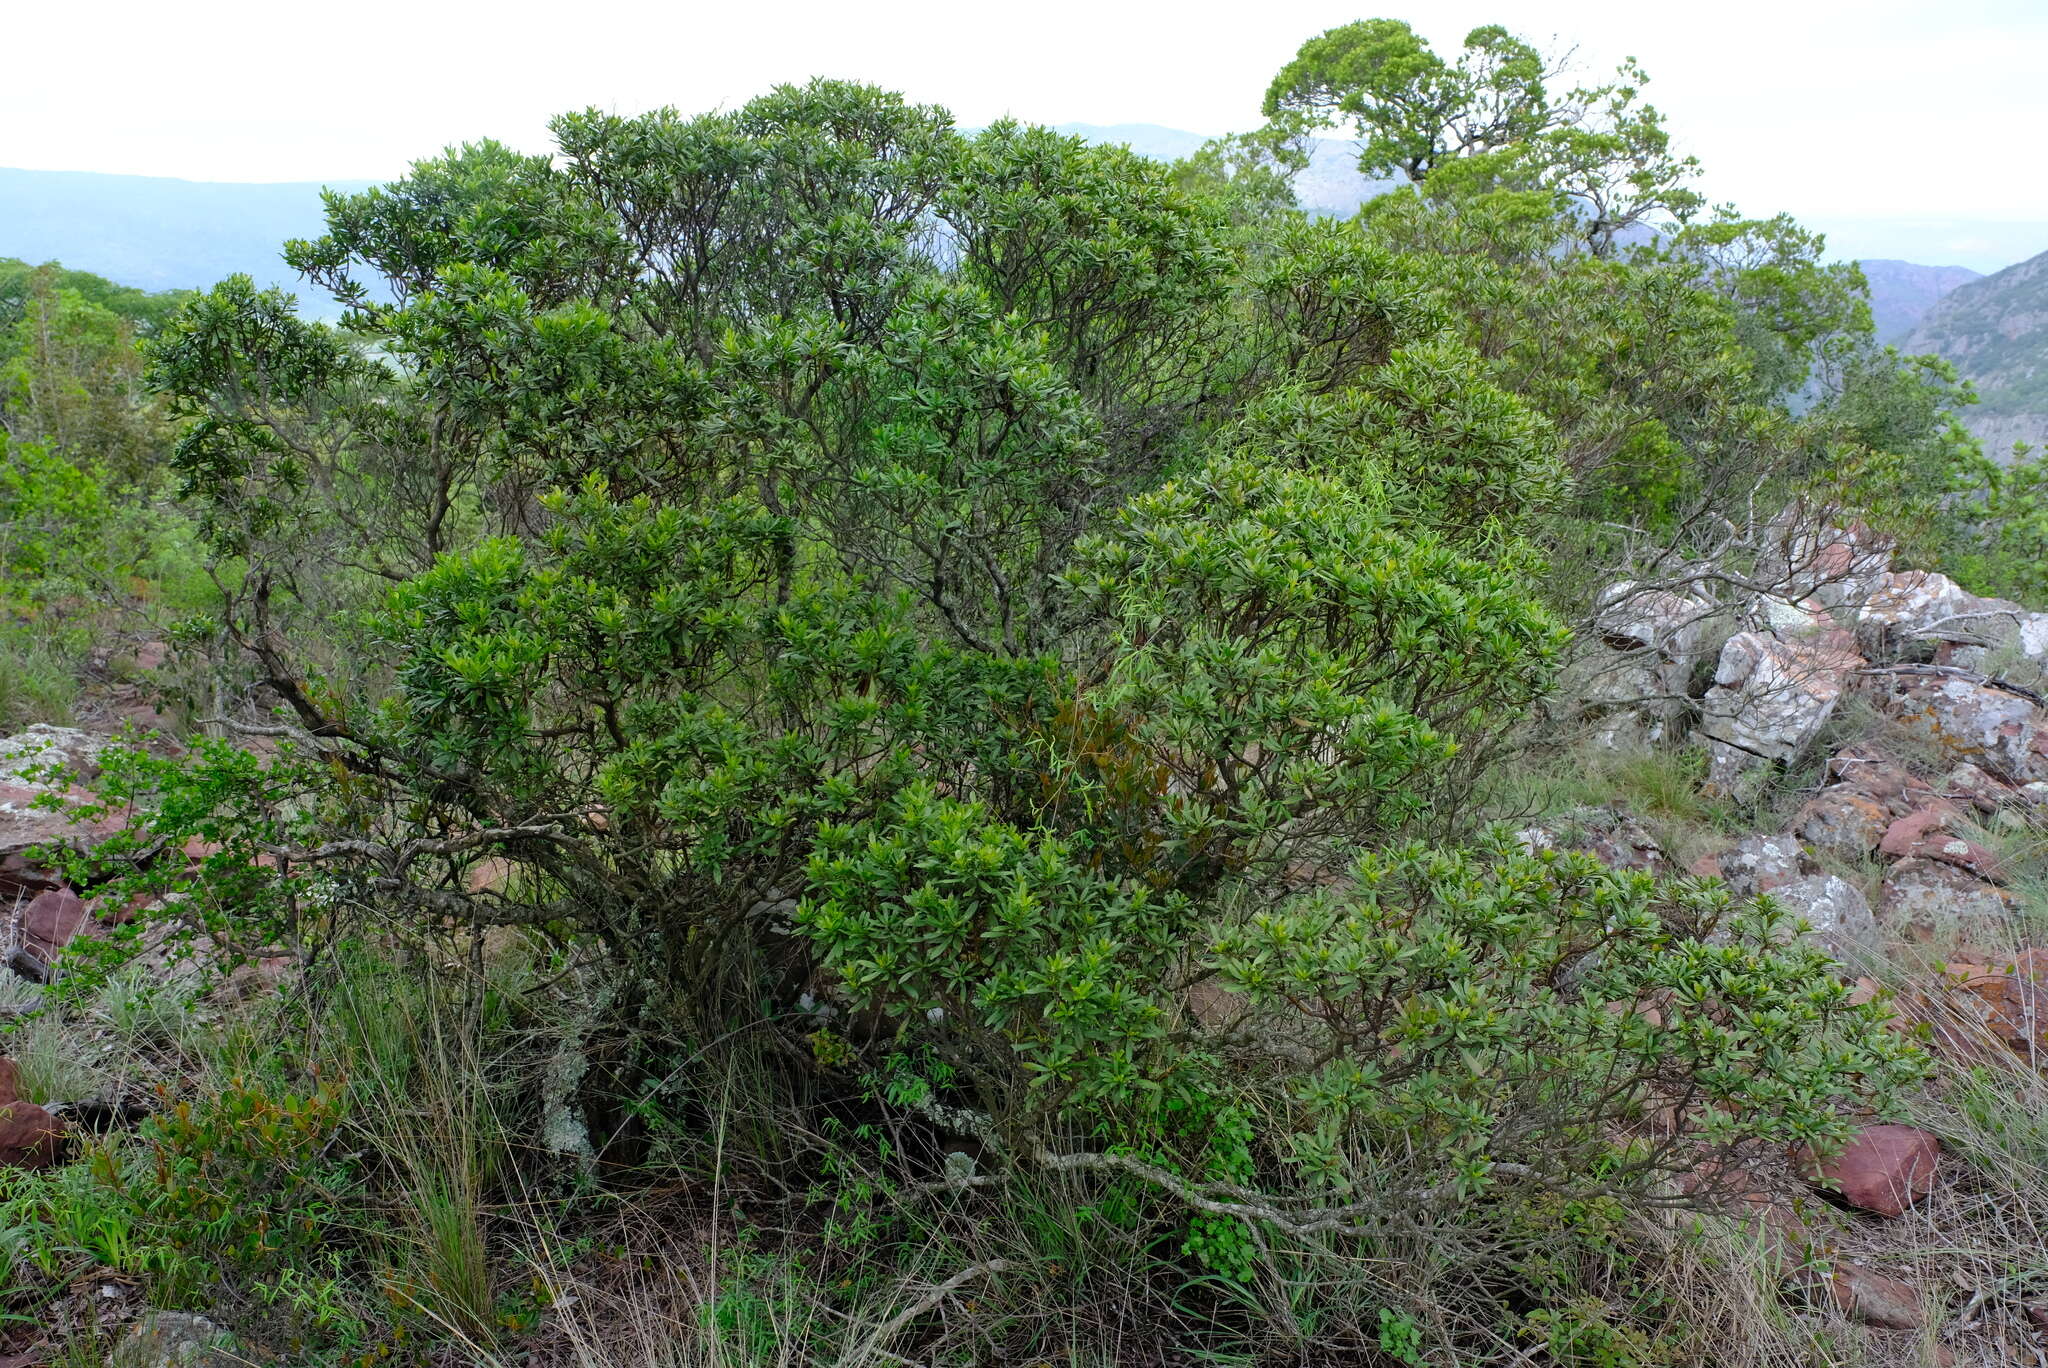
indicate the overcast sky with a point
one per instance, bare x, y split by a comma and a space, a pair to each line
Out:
1889, 121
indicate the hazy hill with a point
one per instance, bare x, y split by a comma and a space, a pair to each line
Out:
1901, 292
1995, 330
1330, 185
155, 232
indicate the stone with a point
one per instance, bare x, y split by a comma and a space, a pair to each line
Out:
2009, 1001
174, 1339
1920, 605
1930, 902
51, 921
1782, 617
1632, 616
1770, 698
1835, 565
43, 745
1926, 834
151, 655
1990, 727
1869, 771
1969, 784
1758, 864
30, 1137
24, 826
1883, 1169
1864, 1294
1842, 821
10, 1081
1837, 913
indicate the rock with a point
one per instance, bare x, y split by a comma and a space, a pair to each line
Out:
1842, 822
2010, 1001
30, 1137
1785, 618
51, 921
1834, 565
43, 745
1931, 902
1632, 616
1920, 605
1871, 772
1925, 834
1866, 1295
23, 827
1758, 864
1970, 784
1837, 913
1883, 1169
1990, 727
174, 1339
151, 655
1770, 698
10, 1081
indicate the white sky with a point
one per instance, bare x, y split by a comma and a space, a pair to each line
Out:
1839, 112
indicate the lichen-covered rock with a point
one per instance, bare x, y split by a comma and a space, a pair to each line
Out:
1633, 615
1771, 697
2010, 1001
44, 745
1990, 727
1842, 821
1836, 912
1920, 605
1758, 864
1931, 903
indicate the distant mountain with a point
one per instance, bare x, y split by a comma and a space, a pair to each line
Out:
157, 233
1901, 292
1995, 331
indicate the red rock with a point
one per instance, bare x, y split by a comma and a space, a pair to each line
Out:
2011, 1001
52, 921
1926, 834
151, 655
10, 1081
1883, 1169
29, 1136
2038, 1315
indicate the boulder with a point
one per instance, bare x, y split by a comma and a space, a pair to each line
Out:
1926, 835
1883, 1169
1633, 616
30, 1137
1866, 1295
1842, 821
43, 745
1990, 727
1920, 605
1835, 565
1835, 911
1770, 698
1930, 902
1757, 864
